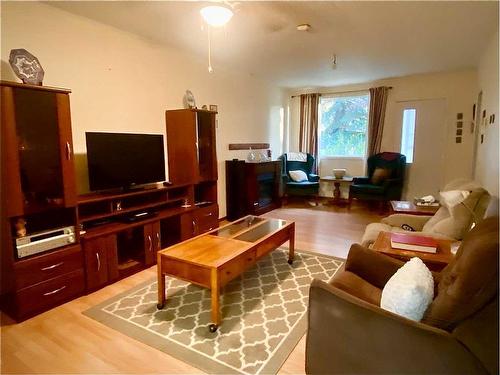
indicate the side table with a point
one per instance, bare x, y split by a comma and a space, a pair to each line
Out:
407, 207
435, 261
337, 198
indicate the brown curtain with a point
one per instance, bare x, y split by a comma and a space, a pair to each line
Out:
378, 101
308, 134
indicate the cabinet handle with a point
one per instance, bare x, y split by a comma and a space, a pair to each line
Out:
68, 151
52, 266
209, 214
150, 241
158, 241
98, 261
194, 227
55, 291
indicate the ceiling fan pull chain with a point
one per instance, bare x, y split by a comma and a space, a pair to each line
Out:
210, 70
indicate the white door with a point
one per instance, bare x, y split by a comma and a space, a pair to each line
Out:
425, 174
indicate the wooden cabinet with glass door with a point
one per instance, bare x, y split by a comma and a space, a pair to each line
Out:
191, 144
37, 148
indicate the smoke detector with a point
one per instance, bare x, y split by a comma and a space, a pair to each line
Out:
303, 27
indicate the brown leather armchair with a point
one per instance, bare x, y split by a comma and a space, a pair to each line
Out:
349, 333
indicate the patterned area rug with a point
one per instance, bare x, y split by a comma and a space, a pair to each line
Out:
263, 315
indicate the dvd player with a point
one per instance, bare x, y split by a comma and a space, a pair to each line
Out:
44, 241
138, 216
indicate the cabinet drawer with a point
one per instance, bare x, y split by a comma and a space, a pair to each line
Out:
50, 293
236, 267
207, 218
47, 266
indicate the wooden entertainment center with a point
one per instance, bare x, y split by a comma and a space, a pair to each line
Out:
39, 194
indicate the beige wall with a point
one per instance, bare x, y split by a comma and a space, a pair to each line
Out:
486, 171
458, 88
123, 83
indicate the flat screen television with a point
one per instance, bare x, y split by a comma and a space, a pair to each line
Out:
124, 160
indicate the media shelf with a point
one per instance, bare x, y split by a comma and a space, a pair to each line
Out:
115, 248
97, 207
114, 226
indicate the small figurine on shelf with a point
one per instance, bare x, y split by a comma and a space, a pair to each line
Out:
20, 226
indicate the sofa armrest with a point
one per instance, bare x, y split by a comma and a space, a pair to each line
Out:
349, 336
313, 177
371, 266
285, 177
417, 222
360, 180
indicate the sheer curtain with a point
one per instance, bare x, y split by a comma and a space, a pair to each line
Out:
378, 102
308, 133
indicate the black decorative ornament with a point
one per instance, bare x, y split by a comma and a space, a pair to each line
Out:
26, 66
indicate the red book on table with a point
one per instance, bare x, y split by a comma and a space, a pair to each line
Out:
413, 242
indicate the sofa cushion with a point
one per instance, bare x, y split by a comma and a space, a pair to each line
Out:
356, 286
470, 280
409, 291
380, 175
298, 175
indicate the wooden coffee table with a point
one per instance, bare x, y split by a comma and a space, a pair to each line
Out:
435, 261
217, 257
407, 207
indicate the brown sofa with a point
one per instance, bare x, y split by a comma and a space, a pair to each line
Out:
349, 333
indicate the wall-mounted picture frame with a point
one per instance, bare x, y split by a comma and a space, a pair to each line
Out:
213, 107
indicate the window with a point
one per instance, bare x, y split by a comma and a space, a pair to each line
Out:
408, 134
343, 125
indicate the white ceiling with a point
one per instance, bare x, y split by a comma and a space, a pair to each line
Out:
372, 40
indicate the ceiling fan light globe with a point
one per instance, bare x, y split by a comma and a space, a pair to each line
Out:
216, 15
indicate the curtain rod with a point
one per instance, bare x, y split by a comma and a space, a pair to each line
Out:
339, 92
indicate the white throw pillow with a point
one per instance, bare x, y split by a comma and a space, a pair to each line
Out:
298, 176
409, 291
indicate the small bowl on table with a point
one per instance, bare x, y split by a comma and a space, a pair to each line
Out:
339, 173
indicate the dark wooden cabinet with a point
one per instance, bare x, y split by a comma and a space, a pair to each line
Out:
192, 156
101, 261
205, 219
199, 221
252, 188
38, 149
38, 190
46, 266
44, 281
152, 242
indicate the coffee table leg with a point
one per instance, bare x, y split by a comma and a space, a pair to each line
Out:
291, 248
161, 286
215, 289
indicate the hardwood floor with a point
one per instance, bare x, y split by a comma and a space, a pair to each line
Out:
63, 340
